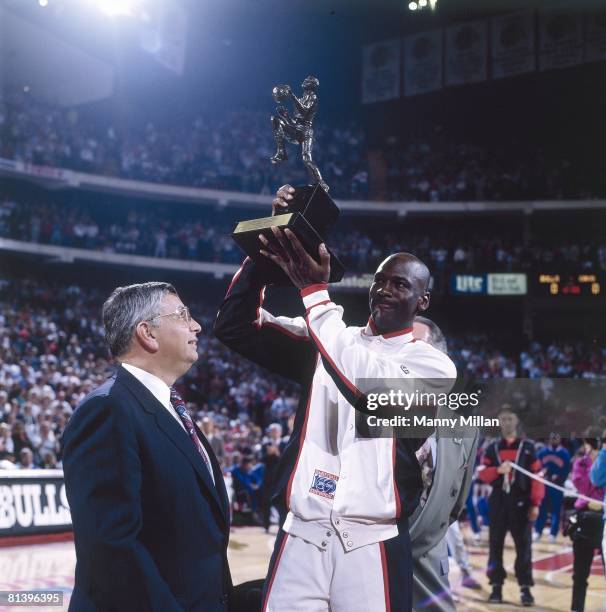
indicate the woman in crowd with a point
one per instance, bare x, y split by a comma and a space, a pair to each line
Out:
586, 526
598, 478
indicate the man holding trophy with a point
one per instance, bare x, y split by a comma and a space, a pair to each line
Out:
345, 501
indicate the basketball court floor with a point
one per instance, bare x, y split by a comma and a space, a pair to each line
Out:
51, 566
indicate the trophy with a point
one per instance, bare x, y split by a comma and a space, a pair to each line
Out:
311, 212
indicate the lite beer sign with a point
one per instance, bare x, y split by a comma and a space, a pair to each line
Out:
469, 283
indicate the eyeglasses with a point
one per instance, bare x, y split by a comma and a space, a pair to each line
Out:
182, 313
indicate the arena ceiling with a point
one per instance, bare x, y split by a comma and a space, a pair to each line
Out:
39, 61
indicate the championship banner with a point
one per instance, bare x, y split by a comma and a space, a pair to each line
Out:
595, 37
560, 39
381, 71
512, 45
33, 502
466, 53
422, 62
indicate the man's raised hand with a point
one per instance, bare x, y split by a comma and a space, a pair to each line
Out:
288, 253
284, 195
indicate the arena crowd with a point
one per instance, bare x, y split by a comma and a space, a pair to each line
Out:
198, 233
232, 150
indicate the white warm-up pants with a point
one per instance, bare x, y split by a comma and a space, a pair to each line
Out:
304, 578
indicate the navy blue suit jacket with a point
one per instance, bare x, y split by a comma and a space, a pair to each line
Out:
150, 527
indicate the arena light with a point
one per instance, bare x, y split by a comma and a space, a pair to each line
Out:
119, 8
422, 4
116, 8
43, 3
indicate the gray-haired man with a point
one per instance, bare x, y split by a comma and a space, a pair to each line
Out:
148, 502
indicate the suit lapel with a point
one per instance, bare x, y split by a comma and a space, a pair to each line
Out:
443, 463
178, 436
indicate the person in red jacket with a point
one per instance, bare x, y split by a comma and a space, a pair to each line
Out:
513, 504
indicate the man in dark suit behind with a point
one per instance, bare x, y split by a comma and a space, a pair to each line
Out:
147, 497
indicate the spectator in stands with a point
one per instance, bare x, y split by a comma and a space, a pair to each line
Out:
26, 459
555, 460
247, 483
273, 446
49, 461
215, 439
44, 442
7, 446
4, 403
281, 407
20, 439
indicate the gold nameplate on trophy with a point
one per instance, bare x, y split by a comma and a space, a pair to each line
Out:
256, 225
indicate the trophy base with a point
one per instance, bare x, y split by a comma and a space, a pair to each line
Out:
246, 236
316, 206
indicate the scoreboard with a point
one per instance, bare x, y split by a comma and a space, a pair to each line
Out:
570, 284
536, 284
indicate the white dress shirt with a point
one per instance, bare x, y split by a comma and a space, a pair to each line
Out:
157, 387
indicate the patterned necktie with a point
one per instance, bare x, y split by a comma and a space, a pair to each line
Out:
425, 459
179, 405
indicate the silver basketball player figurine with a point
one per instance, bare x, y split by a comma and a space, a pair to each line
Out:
299, 128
